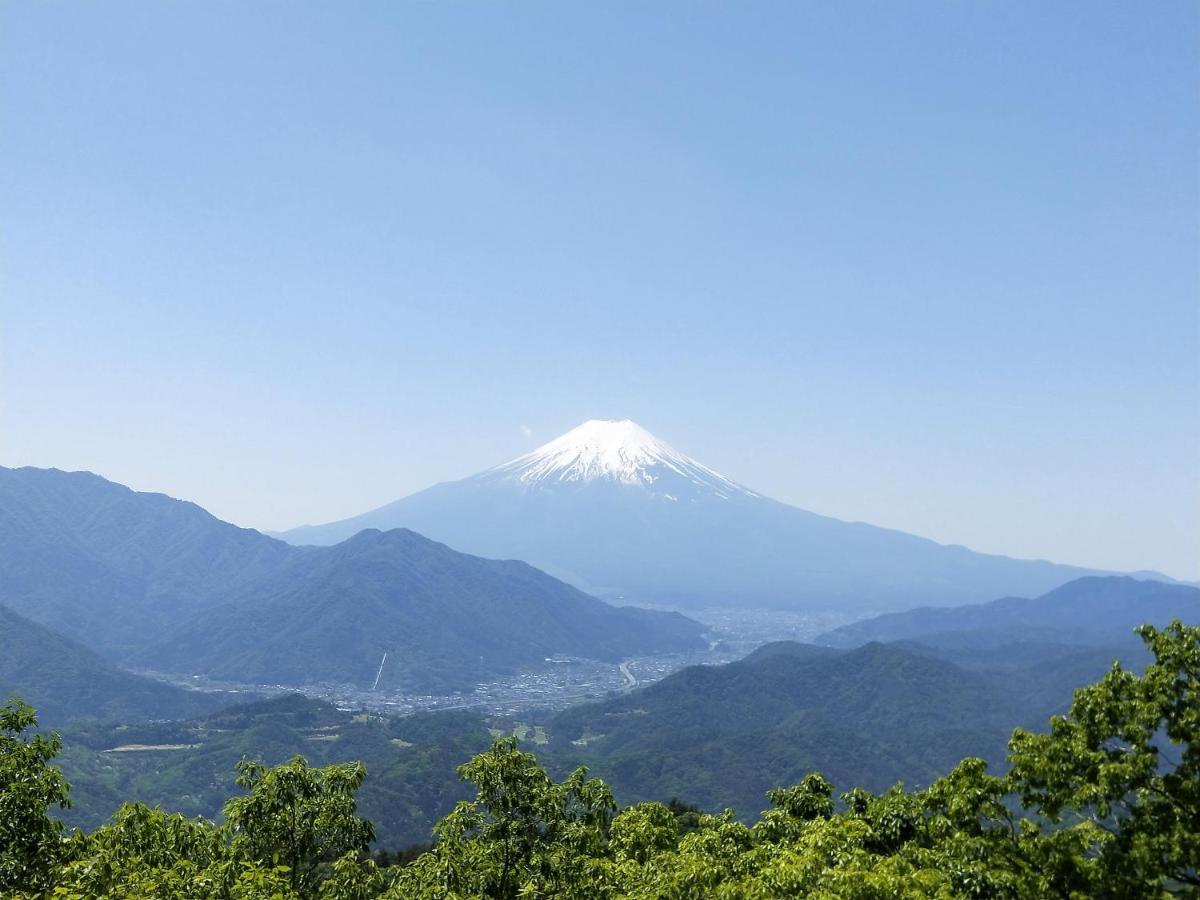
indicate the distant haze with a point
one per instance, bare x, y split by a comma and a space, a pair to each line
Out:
932, 267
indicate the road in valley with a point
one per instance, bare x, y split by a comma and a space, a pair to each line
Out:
630, 679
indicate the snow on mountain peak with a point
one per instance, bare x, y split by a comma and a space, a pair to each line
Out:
618, 450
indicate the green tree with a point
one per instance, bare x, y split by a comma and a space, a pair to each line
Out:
300, 817
1126, 761
293, 836
146, 852
30, 838
524, 834
1105, 804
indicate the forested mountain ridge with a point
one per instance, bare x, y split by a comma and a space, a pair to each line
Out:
149, 579
720, 736
1105, 804
68, 681
444, 619
105, 564
1093, 610
717, 736
1036, 649
189, 766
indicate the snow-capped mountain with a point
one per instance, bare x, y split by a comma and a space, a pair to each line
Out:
618, 450
620, 513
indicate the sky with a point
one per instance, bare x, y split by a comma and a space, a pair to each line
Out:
930, 265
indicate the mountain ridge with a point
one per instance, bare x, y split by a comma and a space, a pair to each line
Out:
658, 535
102, 562
721, 735
65, 681
437, 614
1095, 610
124, 572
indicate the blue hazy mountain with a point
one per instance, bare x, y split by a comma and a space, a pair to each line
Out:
66, 681
109, 566
444, 620
617, 512
947, 683
1091, 611
1038, 648
147, 579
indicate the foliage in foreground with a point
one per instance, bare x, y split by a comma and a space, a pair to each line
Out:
1105, 804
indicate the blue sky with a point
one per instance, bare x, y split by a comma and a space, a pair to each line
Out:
928, 265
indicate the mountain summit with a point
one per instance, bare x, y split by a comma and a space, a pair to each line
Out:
620, 513
618, 450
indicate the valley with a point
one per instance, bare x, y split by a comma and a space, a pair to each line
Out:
711, 729
562, 681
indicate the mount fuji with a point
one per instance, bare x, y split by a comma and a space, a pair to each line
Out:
620, 513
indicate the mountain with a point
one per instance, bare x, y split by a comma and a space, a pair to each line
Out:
444, 619
1095, 611
188, 766
65, 681
1038, 650
721, 736
107, 565
144, 578
618, 512
717, 736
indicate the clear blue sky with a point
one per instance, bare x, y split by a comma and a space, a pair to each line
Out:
928, 265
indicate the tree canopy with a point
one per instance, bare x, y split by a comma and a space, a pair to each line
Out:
1105, 803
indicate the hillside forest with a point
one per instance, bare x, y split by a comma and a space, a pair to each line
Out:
1105, 802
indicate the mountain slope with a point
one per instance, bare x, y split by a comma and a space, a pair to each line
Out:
618, 512
444, 619
721, 736
1100, 611
120, 571
410, 761
1037, 650
65, 681
105, 564
716, 736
